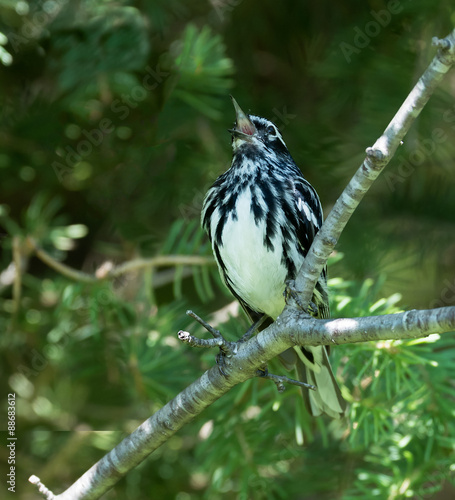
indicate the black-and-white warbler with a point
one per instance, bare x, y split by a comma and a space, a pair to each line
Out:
261, 217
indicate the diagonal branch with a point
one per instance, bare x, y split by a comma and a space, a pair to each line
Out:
376, 160
290, 329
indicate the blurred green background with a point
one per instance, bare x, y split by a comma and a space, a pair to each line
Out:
113, 119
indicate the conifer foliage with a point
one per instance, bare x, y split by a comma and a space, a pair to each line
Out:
113, 119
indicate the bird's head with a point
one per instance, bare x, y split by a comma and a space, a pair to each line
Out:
254, 131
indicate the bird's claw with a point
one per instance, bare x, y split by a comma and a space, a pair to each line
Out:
291, 292
263, 371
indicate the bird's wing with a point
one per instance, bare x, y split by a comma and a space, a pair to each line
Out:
309, 211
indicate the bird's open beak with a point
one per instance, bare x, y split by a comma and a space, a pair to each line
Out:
244, 127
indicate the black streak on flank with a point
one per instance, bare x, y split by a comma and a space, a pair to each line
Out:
270, 231
219, 232
219, 260
229, 206
256, 209
208, 214
285, 259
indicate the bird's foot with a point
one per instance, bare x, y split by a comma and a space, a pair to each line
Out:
281, 381
253, 329
291, 293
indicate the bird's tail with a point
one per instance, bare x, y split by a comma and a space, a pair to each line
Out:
313, 367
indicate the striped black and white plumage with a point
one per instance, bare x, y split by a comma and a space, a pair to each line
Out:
261, 217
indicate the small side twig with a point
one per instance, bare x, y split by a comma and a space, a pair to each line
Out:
227, 348
443, 43
281, 381
193, 341
46, 492
216, 333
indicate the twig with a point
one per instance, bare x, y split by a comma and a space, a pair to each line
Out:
216, 333
193, 341
125, 267
41, 487
227, 348
63, 269
161, 261
440, 43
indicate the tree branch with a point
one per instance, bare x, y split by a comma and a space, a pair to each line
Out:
290, 329
406, 325
376, 160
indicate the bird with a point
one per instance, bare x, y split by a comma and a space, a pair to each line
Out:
261, 217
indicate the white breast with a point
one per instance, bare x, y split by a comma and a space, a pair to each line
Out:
257, 275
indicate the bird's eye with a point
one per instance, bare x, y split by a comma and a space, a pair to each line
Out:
271, 130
